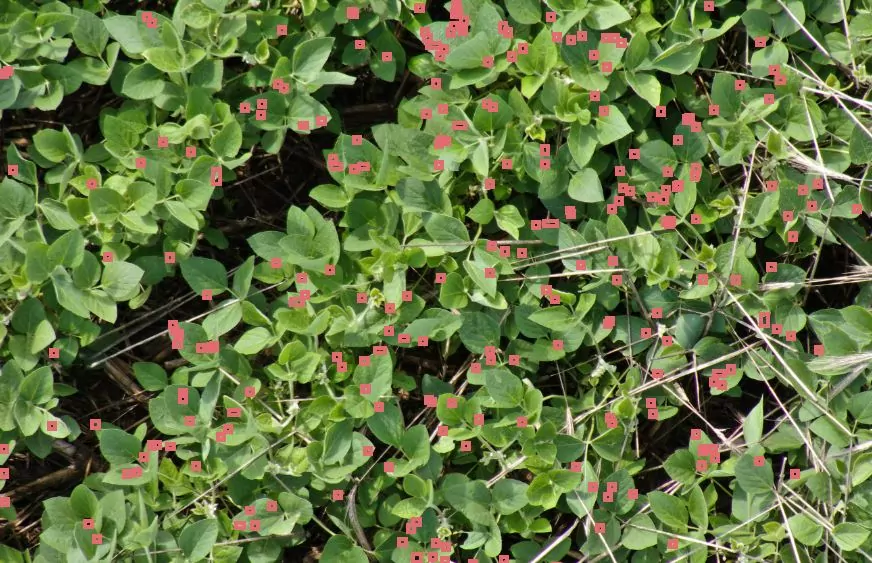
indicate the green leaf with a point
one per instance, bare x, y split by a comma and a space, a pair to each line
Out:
527, 12
151, 376
510, 495
90, 34
331, 196
68, 295
646, 86
541, 57
668, 509
409, 508
29, 319
753, 479
84, 502
68, 250
774, 54
253, 341
681, 466
227, 142
509, 219
129, 31
222, 320
585, 186
197, 539
416, 195
558, 319
635, 538
119, 447
165, 59
605, 14
143, 82
753, 426
446, 229
452, 294
337, 442
483, 212
388, 426
340, 549
612, 127
52, 145
121, 280
37, 387
860, 147
678, 58
805, 530
310, 56
204, 273
479, 330
850, 536
504, 388
582, 143
471, 498
106, 204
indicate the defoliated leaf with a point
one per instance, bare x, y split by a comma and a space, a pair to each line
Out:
197, 539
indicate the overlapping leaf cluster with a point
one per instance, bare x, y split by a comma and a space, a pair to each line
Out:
393, 227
